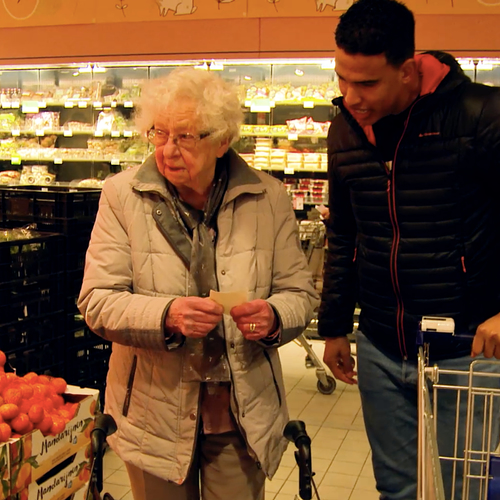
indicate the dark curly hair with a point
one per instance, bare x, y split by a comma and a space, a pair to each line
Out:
372, 27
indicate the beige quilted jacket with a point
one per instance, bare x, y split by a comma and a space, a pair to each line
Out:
131, 275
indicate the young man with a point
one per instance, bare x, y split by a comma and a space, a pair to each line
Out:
414, 229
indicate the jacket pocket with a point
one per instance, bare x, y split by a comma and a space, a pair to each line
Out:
130, 384
278, 392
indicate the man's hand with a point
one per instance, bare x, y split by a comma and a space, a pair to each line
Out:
193, 316
337, 357
487, 338
255, 319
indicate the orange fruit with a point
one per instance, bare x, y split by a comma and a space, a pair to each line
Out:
26, 391
8, 411
20, 423
59, 385
12, 395
57, 400
11, 376
48, 405
25, 406
58, 425
3, 381
3, 358
45, 425
39, 391
36, 413
43, 379
31, 378
5, 432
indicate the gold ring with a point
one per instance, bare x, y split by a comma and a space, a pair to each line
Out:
252, 327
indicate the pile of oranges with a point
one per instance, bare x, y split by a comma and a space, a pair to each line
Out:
32, 402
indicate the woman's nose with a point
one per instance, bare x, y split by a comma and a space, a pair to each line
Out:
170, 148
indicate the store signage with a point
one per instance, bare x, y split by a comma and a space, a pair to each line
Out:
260, 106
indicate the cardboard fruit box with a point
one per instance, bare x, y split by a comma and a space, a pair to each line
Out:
33, 455
61, 482
4, 471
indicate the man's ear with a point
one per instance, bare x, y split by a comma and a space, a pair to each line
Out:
224, 146
409, 71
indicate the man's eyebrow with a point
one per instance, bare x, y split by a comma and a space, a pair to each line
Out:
362, 82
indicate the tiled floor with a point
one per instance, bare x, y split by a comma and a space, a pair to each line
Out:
340, 450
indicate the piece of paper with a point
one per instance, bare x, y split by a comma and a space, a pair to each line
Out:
228, 300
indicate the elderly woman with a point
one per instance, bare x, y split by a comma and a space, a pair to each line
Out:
195, 387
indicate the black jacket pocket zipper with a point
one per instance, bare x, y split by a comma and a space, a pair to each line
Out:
130, 384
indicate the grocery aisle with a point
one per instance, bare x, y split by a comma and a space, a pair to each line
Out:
340, 450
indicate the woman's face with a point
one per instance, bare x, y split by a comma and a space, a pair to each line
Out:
186, 166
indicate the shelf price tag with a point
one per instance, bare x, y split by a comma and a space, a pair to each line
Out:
16, 104
28, 107
248, 104
293, 137
68, 133
113, 104
42, 104
260, 106
128, 104
115, 133
40, 132
15, 132
98, 133
82, 104
289, 170
127, 133
298, 203
58, 161
97, 104
69, 104
308, 104
6, 105
15, 160
115, 161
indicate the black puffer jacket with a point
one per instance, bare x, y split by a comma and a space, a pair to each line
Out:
422, 238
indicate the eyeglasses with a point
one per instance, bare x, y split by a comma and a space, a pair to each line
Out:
159, 137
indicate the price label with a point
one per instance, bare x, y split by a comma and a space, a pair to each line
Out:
68, 133
308, 104
260, 106
29, 107
40, 132
293, 137
97, 104
127, 133
113, 104
69, 104
42, 104
58, 161
115, 161
115, 133
15, 132
6, 105
289, 170
128, 104
248, 104
16, 104
298, 203
98, 133
82, 104
15, 160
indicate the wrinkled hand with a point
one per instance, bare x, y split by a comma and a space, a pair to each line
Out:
487, 338
337, 357
255, 319
193, 316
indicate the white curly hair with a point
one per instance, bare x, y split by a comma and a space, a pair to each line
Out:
216, 102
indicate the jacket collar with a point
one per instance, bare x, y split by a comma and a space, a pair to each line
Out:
242, 178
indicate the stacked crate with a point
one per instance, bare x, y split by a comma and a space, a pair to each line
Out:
70, 213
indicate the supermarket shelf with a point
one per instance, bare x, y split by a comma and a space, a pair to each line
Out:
70, 133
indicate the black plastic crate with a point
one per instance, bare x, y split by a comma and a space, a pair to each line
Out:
46, 359
31, 258
32, 298
37, 203
87, 362
35, 344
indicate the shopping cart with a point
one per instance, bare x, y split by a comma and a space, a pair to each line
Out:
312, 238
472, 466
104, 426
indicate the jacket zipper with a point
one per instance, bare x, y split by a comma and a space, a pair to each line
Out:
396, 237
128, 395
266, 354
